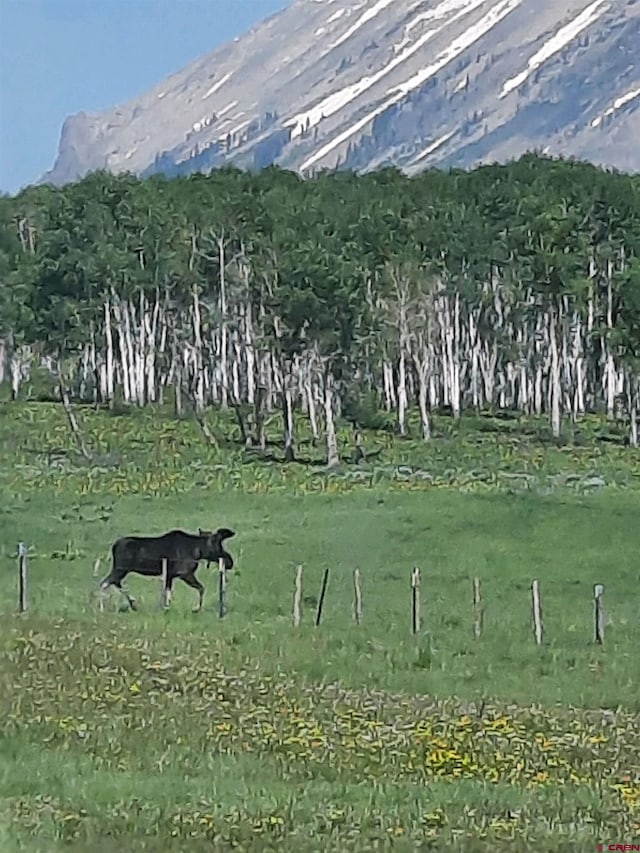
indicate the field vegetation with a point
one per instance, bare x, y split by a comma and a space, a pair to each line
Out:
157, 730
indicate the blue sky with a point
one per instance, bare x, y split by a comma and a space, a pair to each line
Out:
58, 57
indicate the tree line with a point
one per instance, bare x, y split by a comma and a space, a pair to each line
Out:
513, 286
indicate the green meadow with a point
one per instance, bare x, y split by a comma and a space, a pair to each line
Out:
178, 730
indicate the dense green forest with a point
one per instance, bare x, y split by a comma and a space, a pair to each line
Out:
514, 286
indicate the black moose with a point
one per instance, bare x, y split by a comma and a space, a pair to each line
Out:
183, 552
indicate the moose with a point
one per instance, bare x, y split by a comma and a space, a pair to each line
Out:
182, 551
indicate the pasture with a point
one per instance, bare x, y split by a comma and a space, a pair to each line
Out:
166, 730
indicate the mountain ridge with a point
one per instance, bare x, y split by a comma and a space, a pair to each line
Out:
364, 83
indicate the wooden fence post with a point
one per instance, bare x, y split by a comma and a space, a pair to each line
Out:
222, 589
415, 600
598, 592
297, 596
165, 595
477, 609
357, 597
22, 577
538, 628
323, 592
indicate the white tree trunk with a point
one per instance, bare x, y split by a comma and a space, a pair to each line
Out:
389, 389
198, 358
250, 354
140, 350
310, 394
402, 392
124, 356
333, 459
110, 378
488, 362
474, 342
126, 309
425, 418
15, 369
632, 387
3, 360
223, 355
151, 356
456, 401
555, 389
287, 414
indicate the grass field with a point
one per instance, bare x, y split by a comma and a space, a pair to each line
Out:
171, 731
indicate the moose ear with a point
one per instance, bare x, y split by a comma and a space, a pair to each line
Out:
224, 533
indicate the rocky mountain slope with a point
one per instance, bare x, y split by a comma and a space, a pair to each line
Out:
362, 83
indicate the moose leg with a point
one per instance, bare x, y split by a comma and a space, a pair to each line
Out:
168, 591
116, 580
104, 586
194, 583
132, 602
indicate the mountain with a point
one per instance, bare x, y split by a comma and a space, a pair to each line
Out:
364, 83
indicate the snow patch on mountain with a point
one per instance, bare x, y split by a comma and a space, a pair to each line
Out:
617, 104
336, 16
216, 86
226, 109
555, 44
433, 147
377, 7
